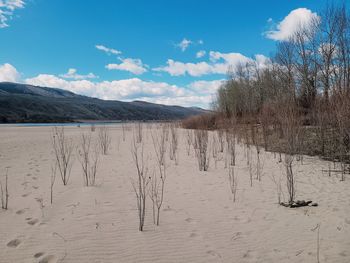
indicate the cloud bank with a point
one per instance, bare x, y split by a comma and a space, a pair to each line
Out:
196, 93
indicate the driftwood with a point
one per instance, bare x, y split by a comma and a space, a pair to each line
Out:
298, 203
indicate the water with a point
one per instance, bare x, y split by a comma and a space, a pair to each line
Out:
68, 124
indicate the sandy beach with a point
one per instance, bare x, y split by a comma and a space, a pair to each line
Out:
199, 222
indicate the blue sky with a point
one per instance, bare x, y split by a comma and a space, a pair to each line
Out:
173, 52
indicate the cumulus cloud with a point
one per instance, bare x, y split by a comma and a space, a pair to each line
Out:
132, 65
200, 53
205, 86
107, 50
219, 64
176, 68
8, 73
7, 7
72, 74
297, 18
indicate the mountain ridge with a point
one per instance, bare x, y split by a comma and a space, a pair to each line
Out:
29, 103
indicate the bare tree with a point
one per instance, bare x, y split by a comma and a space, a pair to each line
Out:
140, 185
201, 149
104, 139
88, 157
63, 150
4, 192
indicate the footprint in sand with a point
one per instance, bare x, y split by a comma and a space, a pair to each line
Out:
189, 220
32, 222
20, 212
14, 243
35, 187
34, 178
25, 195
48, 259
39, 254
193, 235
29, 174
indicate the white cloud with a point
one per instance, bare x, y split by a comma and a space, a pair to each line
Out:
7, 7
230, 58
219, 64
108, 50
297, 18
8, 73
184, 44
200, 53
72, 74
134, 66
176, 68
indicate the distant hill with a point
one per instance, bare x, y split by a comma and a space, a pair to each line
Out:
27, 103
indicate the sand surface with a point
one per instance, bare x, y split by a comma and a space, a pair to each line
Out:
199, 220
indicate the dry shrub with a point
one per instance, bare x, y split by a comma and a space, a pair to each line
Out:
140, 184
189, 141
204, 122
52, 181
138, 132
4, 192
158, 179
341, 111
290, 120
104, 139
88, 157
63, 150
231, 146
221, 140
174, 143
201, 149
233, 182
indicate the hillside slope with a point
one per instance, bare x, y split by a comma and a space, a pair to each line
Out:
27, 103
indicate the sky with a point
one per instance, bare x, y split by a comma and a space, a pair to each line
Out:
169, 52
